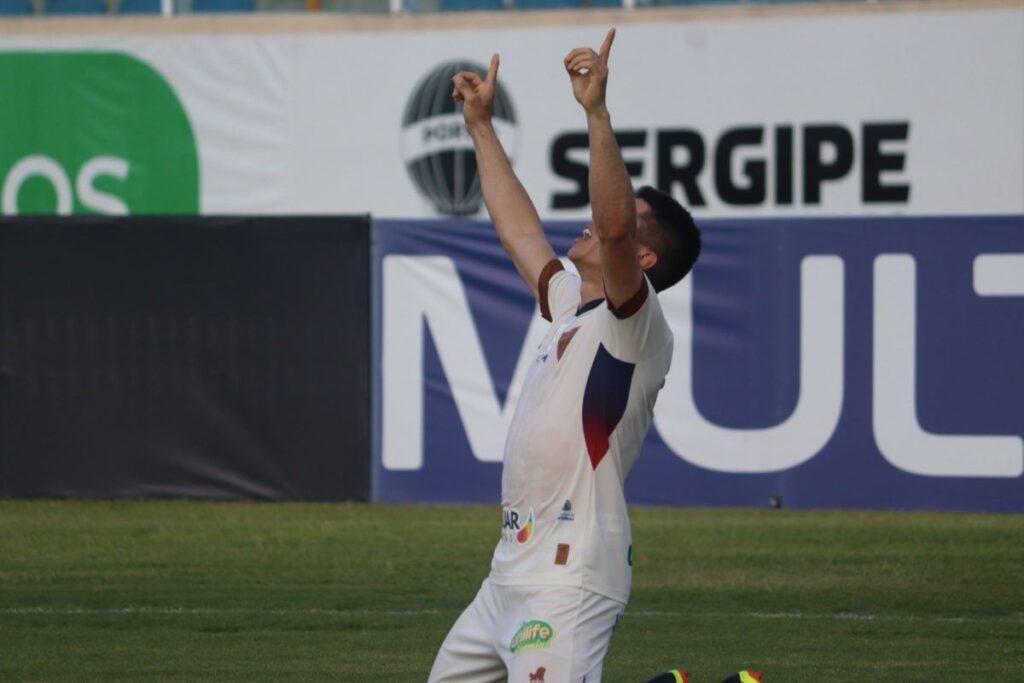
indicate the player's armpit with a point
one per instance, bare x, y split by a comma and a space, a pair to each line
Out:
629, 307
642, 333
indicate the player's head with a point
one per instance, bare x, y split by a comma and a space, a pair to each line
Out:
668, 241
667, 229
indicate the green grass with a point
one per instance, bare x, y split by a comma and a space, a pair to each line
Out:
180, 591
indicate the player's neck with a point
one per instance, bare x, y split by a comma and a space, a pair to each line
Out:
591, 288
591, 280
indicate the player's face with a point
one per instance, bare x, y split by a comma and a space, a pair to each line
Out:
584, 251
584, 248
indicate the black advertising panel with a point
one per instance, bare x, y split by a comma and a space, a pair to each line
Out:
223, 358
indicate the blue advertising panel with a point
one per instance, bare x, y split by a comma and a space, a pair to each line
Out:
818, 363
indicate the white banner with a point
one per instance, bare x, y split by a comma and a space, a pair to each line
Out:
871, 113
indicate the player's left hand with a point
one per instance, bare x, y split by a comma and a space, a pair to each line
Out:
588, 71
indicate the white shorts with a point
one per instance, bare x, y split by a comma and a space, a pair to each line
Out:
528, 634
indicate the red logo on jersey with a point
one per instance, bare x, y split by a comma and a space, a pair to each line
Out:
538, 675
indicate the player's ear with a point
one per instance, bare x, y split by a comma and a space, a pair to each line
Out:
647, 257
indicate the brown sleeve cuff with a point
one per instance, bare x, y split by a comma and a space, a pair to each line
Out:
552, 267
631, 305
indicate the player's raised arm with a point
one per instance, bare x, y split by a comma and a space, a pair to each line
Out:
611, 192
515, 218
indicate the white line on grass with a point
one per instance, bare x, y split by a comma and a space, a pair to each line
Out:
839, 616
215, 610
796, 616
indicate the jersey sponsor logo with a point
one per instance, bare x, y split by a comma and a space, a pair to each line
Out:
514, 528
567, 515
532, 635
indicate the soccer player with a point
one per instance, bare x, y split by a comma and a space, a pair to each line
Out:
560, 575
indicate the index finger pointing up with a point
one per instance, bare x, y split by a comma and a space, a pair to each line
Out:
492, 72
606, 46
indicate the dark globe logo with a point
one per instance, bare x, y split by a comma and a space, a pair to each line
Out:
437, 149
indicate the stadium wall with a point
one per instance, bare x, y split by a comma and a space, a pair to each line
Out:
184, 357
855, 363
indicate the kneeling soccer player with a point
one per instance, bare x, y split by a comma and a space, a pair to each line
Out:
561, 572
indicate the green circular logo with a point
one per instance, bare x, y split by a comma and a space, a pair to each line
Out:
93, 133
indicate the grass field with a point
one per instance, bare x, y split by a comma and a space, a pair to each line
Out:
184, 591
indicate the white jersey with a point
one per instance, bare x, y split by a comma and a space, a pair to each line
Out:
581, 419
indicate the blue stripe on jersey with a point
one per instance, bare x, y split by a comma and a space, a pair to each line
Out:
604, 401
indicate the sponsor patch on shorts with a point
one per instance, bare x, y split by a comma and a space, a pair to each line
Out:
532, 635
562, 553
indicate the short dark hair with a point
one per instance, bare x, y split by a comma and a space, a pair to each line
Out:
668, 231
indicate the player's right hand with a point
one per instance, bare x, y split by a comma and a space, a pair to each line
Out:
476, 94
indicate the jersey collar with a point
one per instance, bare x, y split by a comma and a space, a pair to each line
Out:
589, 306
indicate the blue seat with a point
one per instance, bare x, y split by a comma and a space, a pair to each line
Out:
469, 5
222, 6
13, 8
139, 7
554, 4
648, 3
544, 4
76, 6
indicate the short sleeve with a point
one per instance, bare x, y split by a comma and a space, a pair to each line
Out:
557, 290
637, 329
